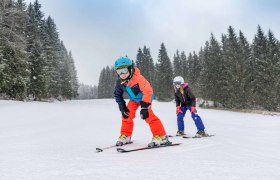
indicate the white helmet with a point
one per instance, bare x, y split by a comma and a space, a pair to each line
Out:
178, 80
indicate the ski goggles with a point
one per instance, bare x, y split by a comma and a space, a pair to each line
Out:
122, 71
176, 83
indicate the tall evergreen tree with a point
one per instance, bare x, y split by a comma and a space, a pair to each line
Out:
164, 76
245, 72
140, 59
53, 53
225, 70
277, 70
274, 72
190, 67
13, 59
73, 74
234, 65
149, 71
184, 68
212, 72
196, 72
260, 69
156, 83
177, 64
102, 84
204, 72
145, 63
37, 58
64, 84
109, 81
200, 67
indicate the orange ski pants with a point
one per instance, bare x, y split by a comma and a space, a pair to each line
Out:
153, 121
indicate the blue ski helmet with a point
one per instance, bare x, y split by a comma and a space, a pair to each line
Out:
123, 62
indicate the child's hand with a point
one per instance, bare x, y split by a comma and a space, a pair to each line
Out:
125, 114
178, 110
124, 110
144, 113
193, 109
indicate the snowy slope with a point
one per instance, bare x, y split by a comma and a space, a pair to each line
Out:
57, 141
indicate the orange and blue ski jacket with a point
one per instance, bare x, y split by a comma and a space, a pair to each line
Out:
138, 89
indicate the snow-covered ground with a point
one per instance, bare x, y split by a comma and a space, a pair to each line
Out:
57, 141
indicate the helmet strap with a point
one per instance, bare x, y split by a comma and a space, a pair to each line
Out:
130, 72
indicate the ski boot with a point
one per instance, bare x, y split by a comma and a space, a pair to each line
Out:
159, 140
123, 139
201, 133
180, 133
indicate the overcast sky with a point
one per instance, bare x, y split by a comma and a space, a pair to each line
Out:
99, 31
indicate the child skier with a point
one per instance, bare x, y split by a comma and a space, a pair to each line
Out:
185, 100
140, 94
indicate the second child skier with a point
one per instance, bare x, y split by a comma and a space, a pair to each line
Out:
185, 100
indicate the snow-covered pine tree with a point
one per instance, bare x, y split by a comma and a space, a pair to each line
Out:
155, 87
204, 72
177, 64
184, 68
212, 75
193, 71
190, 67
114, 77
245, 55
65, 74
149, 71
37, 57
260, 70
234, 66
108, 81
274, 72
13, 59
224, 80
164, 76
73, 74
145, 63
140, 59
277, 72
200, 67
3, 61
102, 84
53, 57
196, 72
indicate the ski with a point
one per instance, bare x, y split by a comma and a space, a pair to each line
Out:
121, 150
210, 135
187, 137
172, 135
110, 147
184, 136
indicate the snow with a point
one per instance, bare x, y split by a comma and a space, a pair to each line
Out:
57, 141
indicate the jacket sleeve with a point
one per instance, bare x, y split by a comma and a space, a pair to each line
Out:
146, 89
191, 96
177, 100
118, 93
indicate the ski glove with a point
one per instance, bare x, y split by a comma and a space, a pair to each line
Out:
178, 110
193, 109
144, 109
124, 110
